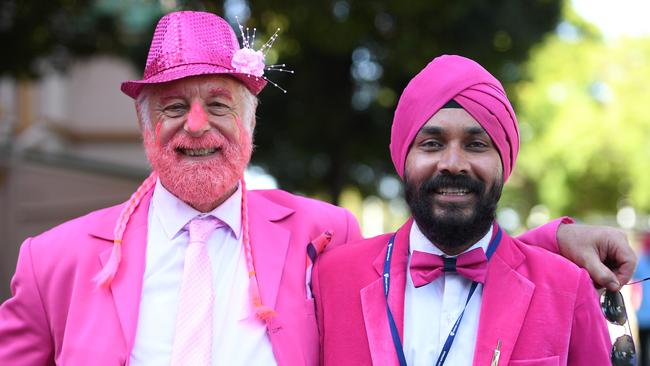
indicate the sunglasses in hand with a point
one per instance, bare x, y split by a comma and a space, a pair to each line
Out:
613, 306
623, 351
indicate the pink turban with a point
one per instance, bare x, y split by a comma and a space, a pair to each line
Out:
470, 85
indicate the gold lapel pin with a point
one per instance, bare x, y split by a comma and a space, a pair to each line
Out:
496, 354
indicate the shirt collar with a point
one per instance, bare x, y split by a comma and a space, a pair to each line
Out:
418, 241
174, 214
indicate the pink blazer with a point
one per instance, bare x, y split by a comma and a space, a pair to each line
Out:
57, 317
542, 308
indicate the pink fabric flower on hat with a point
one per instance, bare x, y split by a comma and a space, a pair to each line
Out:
248, 61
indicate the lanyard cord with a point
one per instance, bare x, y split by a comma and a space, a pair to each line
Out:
391, 321
399, 349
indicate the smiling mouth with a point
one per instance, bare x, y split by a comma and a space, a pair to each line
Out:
197, 152
449, 191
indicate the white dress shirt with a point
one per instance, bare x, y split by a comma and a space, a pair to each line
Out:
239, 338
431, 310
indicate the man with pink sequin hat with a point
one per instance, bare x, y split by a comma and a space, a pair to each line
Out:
193, 269
129, 284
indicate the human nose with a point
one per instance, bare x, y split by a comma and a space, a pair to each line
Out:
197, 120
453, 160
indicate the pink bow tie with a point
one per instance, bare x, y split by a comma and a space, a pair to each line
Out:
426, 267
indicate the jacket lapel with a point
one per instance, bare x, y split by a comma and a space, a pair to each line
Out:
269, 242
373, 300
126, 287
506, 298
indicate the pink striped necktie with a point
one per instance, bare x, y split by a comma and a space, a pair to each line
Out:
193, 335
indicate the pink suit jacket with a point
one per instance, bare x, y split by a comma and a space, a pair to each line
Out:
56, 315
542, 308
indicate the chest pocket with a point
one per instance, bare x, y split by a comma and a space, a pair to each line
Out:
88, 356
546, 361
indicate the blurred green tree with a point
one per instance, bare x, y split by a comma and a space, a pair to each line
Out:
38, 35
585, 129
351, 58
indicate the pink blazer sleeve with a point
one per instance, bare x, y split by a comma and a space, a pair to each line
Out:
590, 343
351, 234
24, 332
354, 231
545, 236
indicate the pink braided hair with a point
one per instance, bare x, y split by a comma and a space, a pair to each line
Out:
262, 311
106, 275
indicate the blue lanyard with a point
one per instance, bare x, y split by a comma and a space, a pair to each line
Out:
494, 243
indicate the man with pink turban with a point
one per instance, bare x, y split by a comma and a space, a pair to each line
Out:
450, 286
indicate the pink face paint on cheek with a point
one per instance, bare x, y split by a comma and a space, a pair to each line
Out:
158, 126
243, 135
197, 118
240, 127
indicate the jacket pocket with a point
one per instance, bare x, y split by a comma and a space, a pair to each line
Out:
86, 356
546, 361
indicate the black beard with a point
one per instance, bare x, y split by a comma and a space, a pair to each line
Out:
454, 229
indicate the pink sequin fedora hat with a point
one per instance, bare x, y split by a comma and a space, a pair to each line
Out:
189, 43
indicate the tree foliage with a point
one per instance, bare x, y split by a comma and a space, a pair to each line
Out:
351, 61
585, 129
37, 35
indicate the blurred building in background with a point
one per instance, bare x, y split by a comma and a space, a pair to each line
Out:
70, 144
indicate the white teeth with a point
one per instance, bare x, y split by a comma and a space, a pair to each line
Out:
198, 152
453, 191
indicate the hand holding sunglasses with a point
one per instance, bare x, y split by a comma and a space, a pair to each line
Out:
623, 350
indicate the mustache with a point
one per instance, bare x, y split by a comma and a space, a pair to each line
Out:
453, 181
206, 141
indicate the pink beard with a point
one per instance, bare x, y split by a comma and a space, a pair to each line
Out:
200, 184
